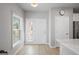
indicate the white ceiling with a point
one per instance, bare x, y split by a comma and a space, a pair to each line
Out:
46, 6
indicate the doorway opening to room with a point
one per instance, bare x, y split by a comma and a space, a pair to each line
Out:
36, 31
36, 42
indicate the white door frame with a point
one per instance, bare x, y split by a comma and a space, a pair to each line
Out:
49, 29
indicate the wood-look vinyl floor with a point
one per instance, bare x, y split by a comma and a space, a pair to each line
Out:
38, 50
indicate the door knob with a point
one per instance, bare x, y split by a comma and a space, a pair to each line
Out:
67, 33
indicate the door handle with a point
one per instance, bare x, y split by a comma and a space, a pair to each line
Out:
67, 33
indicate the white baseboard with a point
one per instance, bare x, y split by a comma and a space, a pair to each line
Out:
52, 46
35, 43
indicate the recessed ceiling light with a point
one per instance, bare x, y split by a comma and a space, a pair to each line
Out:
34, 4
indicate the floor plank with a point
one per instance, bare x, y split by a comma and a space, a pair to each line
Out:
38, 50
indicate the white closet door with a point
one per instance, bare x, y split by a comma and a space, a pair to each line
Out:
62, 27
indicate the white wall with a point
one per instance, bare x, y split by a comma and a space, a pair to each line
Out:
5, 23
54, 13
6, 11
37, 15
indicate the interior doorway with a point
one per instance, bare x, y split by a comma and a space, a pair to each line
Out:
36, 31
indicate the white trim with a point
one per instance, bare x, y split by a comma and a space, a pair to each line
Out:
50, 27
52, 46
36, 43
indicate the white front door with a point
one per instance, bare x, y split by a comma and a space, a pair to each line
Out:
39, 31
62, 27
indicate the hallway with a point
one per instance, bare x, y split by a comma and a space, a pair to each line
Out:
40, 28
38, 50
